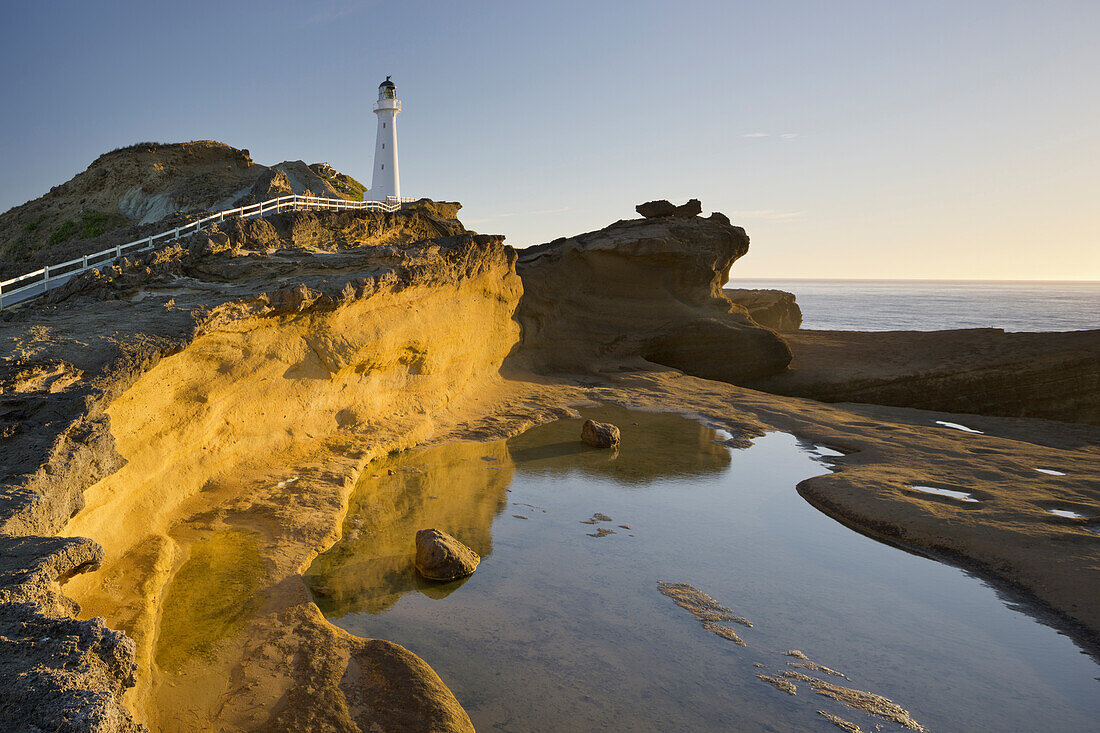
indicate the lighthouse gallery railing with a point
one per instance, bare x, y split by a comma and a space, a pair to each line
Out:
32, 284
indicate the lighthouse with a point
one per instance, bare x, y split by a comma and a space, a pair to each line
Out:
386, 180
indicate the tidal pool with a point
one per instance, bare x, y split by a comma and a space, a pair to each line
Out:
564, 626
949, 493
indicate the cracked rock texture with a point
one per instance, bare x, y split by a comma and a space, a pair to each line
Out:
57, 673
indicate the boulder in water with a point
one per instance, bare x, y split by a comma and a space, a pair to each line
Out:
441, 557
599, 434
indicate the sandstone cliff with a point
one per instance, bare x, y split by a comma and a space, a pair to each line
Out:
248, 343
643, 289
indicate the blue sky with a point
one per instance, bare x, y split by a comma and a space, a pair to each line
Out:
888, 139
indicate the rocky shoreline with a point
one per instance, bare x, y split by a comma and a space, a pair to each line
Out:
236, 386
1054, 376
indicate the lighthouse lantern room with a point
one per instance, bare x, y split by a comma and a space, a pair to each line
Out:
386, 181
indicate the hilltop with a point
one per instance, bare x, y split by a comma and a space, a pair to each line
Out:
124, 192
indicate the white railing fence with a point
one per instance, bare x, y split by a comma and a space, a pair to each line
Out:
32, 284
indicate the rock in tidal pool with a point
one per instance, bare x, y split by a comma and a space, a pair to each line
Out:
600, 434
441, 557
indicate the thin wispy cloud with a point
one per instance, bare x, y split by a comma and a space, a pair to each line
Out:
769, 214
789, 135
755, 134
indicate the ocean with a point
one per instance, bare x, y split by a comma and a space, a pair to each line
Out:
932, 305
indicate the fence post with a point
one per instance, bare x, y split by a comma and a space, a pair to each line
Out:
84, 262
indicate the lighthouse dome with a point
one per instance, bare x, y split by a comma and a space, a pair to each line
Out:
387, 90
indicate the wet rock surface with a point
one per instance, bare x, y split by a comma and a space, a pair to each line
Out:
599, 434
710, 613
441, 557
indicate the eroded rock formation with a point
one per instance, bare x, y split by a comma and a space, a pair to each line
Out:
657, 209
774, 309
57, 673
644, 288
258, 344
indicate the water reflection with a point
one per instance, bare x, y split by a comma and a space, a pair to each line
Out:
655, 446
562, 630
460, 488
452, 488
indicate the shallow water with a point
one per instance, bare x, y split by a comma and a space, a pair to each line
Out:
957, 426
561, 630
1050, 472
949, 493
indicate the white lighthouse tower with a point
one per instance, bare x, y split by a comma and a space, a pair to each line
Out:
386, 180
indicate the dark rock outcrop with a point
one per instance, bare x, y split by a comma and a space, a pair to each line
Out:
714, 349
57, 673
441, 557
657, 209
979, 371
272, 183
603, 299
600, 434
774, 309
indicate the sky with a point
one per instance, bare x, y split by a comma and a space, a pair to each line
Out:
851, 139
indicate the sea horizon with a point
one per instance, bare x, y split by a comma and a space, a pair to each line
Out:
918, 280
861, 304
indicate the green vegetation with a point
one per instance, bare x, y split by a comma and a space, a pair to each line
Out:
138, 146
354, 187
92, 224
34, 224
65, 232
342, 182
